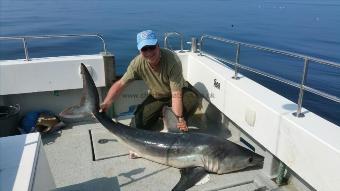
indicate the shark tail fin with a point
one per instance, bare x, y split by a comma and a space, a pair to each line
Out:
89, 102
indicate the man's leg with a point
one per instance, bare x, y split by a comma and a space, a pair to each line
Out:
148, 112
191, 100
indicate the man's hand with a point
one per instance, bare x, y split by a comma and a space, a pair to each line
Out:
112, 95
104, 106
182, 124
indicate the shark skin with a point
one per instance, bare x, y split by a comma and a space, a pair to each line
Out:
195, 154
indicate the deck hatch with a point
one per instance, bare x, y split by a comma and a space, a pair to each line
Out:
105, 145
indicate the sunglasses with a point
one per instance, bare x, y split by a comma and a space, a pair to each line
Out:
146, 48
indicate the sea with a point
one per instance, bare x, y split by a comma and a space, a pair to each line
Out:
307, 27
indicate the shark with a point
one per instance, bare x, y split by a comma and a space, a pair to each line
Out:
195, 154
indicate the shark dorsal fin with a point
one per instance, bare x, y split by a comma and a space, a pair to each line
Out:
169, 120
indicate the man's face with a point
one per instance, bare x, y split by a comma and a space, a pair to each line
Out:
151, 54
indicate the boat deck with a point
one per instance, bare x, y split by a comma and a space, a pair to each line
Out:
85, 156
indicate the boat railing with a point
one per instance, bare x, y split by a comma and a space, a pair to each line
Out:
24, 39
301, 86
168, 34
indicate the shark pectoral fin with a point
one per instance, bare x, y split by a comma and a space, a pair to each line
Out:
189, 177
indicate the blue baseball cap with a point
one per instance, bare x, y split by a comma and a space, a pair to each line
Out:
146, 38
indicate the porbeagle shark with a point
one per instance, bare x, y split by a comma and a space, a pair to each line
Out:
195, 154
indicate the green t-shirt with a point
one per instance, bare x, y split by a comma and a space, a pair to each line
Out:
168, 78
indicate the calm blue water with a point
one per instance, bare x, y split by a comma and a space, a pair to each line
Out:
307, 27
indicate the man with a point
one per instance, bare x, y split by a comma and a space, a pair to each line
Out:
161, 70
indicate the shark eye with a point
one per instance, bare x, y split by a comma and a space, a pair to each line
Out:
250, 160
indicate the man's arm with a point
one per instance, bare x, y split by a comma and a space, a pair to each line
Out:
112, 95
177, 107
